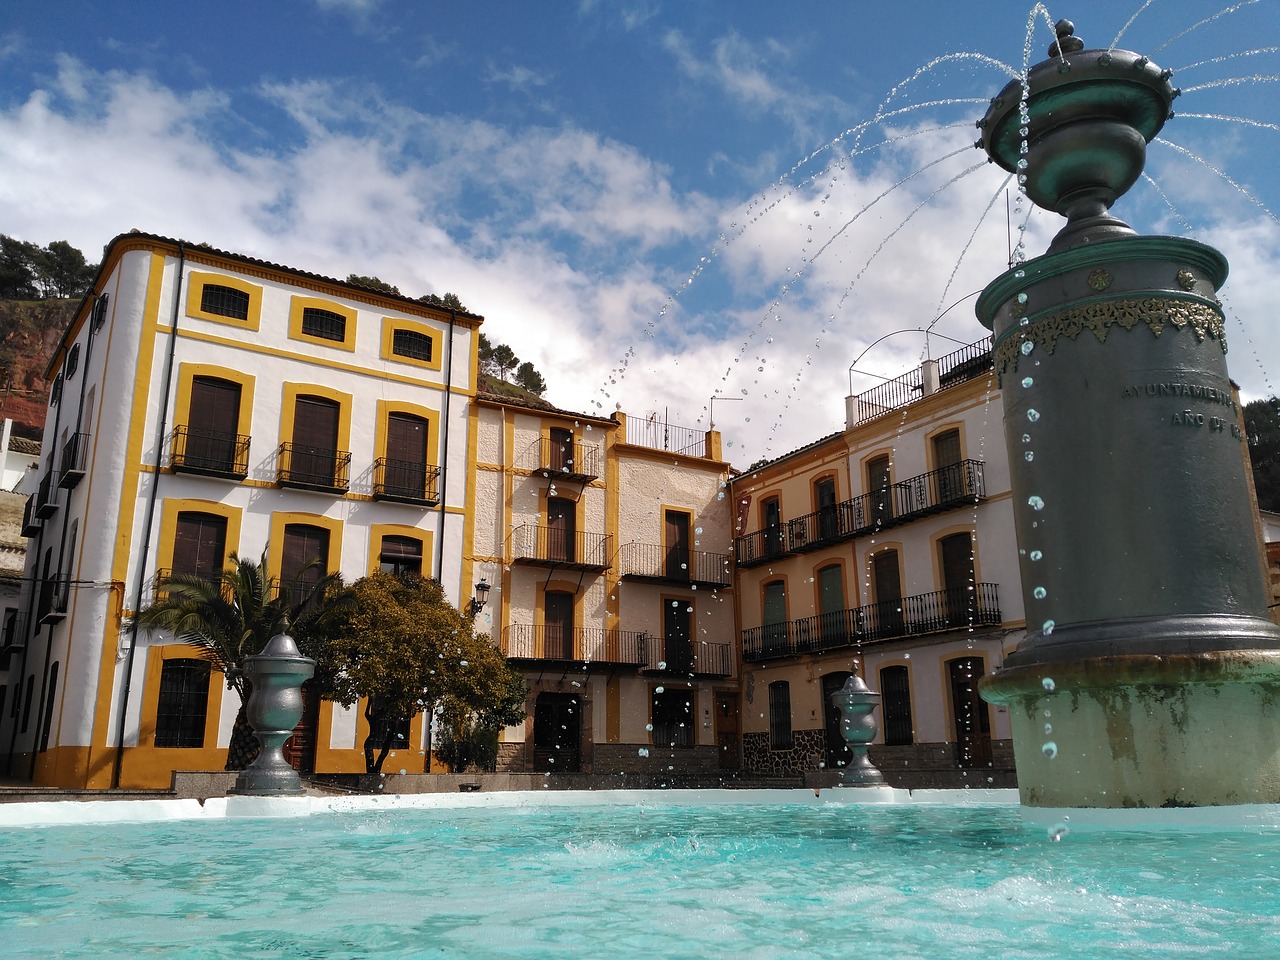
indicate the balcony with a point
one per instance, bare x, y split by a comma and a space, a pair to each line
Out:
30, 521
679, 658
209, 453
75, 453
579, 645
313, 468
957, 367
653, 563
562, 460
46, 498
943, 610
934, 492
551, 547
15, 633
54, 597
660, 435
405, 481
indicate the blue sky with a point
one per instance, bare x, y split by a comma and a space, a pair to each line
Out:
654, 202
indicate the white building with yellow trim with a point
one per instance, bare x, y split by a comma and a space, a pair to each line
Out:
206, 403
606, 542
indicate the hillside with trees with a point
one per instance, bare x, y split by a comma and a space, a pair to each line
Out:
39, 290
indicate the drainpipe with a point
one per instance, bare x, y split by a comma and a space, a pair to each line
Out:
444, 454
161, 430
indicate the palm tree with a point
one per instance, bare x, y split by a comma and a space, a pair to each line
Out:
233, 616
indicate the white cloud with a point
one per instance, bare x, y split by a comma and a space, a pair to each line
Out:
579, 250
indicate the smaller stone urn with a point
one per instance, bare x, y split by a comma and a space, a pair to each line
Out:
856, 701
273, 710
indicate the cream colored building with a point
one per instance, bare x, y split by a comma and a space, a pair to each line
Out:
888, 549
606, 543
206, 403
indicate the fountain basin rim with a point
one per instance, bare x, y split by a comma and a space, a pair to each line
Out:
1106, 253
1011, 684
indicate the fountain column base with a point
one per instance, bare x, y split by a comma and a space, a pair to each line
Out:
1145, 730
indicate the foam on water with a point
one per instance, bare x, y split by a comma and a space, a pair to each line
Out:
547, 875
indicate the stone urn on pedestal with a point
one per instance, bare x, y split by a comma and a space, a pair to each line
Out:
273, 710
856, 703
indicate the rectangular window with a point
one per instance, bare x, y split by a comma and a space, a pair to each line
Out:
212, 442
183, 703
401, 556
46, 722
673, 718
895, 685
324, 324
303, 560
411, 344
780, 715
677, 634
224, 301
200, 545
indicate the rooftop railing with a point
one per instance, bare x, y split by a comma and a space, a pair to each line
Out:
956, 367
661, 435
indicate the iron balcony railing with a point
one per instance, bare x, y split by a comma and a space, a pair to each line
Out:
164, 576
713, 659
405, 481
54, 597
313, 468
15, 632
902, 502
956, 367
30, 520
587, 645
46, 497
562, 459
209, 453
660, 435
71, 468
957, 608
553, 547
652, 561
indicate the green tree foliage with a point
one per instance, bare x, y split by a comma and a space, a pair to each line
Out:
404, 648
504, 360
32, 272
1262, 426
530, 379
450, 301
233, 616
373, 283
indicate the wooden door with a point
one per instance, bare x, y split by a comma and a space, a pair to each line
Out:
677, 622
561, 529
728, 739
315, 441
406, 469
946, 463
557, 733
956, 554
558, 630
678, 565
971, 714
825, 494
886, 582
879, 478
212, 423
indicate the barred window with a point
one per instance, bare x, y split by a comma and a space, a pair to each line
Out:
324, 324
224, 301
411, 344
73, 361
183, 703
780, 715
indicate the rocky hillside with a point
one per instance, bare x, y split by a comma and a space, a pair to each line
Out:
29, 333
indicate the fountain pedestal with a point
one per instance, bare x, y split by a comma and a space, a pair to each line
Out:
273, 710
856, 702
1150, 674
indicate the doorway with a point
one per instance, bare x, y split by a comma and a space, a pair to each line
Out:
972, 715
557, 733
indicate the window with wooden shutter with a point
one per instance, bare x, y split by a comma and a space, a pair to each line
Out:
314, 456
780, 715
211, 442
401, 556
200, 545
403, 474
304, 560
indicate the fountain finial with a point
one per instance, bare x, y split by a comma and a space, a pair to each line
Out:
1067, 41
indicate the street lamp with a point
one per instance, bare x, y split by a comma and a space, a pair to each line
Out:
482, 595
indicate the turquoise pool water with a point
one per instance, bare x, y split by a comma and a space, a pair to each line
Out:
649, 879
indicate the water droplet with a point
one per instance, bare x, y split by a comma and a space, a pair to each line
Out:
1033, 415
643, 751
1029, 456
659, 689
1039, 593
463, 663
649, 727
403, 771
1022, 298
1047, 627
1035, 503
1026, 348
1027, 381
1019, 274
1058, 831
1050, 749
1036, 555
906, 656
1048, 729
1026, 438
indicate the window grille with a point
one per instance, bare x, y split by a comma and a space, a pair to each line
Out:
224, 301
411, 344
324, 324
